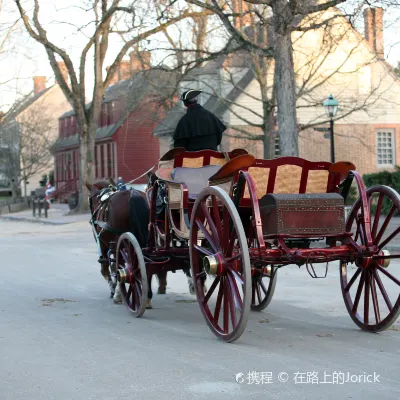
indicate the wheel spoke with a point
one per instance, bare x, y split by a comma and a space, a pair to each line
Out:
384, 243
358, 295
226, 308
236, 275
211, 224
354, 277
261, 283
219, 302
206, 235
231, 302
235, 291
124, 256
377, 215
253, 291
366, 298
225, 240
374, 298
134, 298
383, 290
200, 275
389, 275
211, 290
217, 217
231, 243
258, 293
129, 292
203, 250
234, 258
357, 231
385, 224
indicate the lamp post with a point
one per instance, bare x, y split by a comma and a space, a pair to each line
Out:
331, 106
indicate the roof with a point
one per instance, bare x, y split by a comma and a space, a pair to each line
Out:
132, 91
214, 104
26, 102
73, 141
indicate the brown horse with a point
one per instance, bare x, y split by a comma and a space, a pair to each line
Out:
123, 211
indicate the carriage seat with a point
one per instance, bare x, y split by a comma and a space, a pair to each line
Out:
196, 179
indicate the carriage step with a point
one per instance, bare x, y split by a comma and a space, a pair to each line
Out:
318, 257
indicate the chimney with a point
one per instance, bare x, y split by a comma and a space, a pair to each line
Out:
373, 27
64, 71
114, 79
124, 70
140, 60
39, 84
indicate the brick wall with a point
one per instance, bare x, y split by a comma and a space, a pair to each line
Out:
353, 142
137, 148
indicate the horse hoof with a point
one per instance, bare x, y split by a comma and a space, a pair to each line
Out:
148, 305
191, 289
117, 298
112, 295
162, 291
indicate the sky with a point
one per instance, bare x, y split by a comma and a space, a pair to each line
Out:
27, 58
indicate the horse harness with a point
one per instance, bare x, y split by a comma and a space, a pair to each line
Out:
104, 197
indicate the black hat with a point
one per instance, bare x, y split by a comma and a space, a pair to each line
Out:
190, 94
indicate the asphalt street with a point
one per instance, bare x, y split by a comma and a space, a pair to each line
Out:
61, 337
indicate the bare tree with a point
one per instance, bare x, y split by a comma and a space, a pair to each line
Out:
142, 24
315, 73
25, 144
285, 18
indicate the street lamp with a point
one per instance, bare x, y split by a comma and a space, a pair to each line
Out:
331, 106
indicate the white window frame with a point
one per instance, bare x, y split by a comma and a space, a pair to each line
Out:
393, 132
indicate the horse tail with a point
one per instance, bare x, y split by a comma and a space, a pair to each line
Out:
139, 217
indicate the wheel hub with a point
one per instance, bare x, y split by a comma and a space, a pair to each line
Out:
125, 275
210, 264
386, 261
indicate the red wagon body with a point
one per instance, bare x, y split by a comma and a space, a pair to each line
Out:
239, 221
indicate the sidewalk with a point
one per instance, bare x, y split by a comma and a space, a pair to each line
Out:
56, 215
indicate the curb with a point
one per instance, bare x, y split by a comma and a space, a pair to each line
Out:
38, 221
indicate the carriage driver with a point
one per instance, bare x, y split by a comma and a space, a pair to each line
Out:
198, 129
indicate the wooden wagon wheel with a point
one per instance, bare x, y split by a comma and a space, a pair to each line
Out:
371, 288
222, 256
131, 274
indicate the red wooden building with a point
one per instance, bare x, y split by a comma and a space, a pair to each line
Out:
125, 145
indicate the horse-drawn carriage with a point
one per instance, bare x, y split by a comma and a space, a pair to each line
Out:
237, 220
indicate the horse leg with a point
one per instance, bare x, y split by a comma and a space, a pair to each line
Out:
191, 282
162, 282
105, 272
149, 293
186, 270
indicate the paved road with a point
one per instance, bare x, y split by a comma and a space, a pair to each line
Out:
61, 337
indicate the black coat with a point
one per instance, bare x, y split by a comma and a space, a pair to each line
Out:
198, 129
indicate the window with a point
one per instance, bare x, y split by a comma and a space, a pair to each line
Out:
385, 148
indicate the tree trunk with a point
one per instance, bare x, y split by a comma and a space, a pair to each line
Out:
86, 170
285, 89
269, 138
